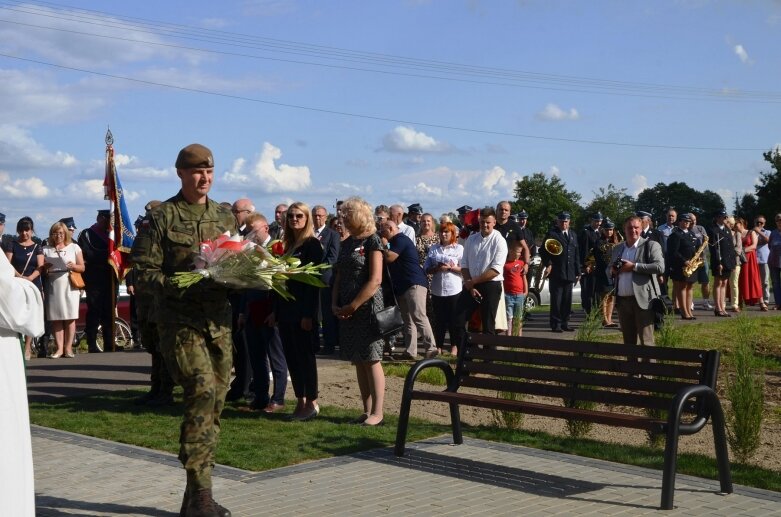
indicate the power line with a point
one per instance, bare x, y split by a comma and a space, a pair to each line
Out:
376, 117
528, 79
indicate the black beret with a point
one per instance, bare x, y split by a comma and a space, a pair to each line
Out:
195, 156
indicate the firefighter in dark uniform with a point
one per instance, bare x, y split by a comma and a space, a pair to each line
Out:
588, 237
561, 260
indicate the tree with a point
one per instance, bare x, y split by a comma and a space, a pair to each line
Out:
769, 189
543, 199
614, 203
747, 208
682, 198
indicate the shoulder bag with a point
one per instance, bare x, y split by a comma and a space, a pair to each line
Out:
76, 280
387, 321
662, 305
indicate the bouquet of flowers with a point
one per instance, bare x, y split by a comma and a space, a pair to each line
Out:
242, 264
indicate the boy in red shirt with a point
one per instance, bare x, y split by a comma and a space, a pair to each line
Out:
515, 289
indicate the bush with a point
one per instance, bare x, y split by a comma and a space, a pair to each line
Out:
744, 391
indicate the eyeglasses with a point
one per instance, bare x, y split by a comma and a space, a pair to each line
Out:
295, 216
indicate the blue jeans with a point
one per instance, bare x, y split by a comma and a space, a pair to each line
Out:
515, 304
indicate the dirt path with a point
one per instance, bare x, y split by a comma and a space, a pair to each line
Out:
338, 387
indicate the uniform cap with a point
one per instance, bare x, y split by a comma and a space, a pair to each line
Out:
642, 213
522, 215
564, 216
463, 209
608, 224
68, 222
415, 208
685, 217
2, 218
596, 216
195, 156
721, 213
104, 213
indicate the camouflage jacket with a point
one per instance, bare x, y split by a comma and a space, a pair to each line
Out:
176, 229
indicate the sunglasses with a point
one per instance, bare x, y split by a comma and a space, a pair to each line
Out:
295, 216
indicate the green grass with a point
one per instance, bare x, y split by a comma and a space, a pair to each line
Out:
429, 375
256, 443
247, 440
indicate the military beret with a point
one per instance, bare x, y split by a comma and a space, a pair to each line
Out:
596, 216
104, 213
195, 156
564, 216
68, 222
415, 208
642, 213
463, 209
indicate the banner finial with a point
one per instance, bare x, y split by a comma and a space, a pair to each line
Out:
109, 137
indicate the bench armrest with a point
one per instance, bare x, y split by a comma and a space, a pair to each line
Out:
418, 367
710, 401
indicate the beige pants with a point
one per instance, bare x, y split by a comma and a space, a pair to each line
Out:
636, 323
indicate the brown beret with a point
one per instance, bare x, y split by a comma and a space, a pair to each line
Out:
195, 156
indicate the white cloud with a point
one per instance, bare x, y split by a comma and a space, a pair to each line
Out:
132, 168
443, 187
554, 171
555, 113
742, 54
93, 190
61, 42
405, 139
18, 150
23, 188
266, 176
639, 183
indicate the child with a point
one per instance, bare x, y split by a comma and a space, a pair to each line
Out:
515, 289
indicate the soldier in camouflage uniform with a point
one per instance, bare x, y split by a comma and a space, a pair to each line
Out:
195, 329
147, 312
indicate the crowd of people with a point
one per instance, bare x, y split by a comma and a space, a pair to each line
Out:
446, 276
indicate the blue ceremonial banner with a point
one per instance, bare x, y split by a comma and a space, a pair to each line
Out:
122, 232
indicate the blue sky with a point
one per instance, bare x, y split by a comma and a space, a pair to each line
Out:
443, 103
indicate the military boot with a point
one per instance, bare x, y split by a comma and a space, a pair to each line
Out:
201, 504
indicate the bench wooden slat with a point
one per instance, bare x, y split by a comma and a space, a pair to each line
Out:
568, 376
604, 396
595, 348
533, 408
622, 366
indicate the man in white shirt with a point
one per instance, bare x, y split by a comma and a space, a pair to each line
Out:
485, 253
397, 216
641, 261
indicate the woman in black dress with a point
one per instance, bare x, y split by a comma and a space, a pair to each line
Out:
26, 256
681, 245
604, 286
356, 295
296, 319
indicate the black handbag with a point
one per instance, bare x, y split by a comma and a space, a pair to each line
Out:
661, 304
387, 321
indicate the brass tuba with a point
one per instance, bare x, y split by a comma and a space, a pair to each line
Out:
553, 247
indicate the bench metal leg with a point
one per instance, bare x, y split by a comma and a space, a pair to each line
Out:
455, 422
401, 430
670, 464
720, 441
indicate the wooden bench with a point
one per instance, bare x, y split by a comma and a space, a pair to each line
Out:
624, 380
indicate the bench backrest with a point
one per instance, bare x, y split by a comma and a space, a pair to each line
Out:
614, 374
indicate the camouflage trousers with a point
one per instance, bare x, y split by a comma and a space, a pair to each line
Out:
161, 379
199, 361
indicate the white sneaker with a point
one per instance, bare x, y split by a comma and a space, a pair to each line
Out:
707, 306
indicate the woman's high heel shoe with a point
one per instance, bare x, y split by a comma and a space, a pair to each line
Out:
56, 355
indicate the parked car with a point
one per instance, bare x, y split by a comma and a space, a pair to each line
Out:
123, 308
538, 290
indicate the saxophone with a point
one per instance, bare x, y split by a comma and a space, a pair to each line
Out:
696, 261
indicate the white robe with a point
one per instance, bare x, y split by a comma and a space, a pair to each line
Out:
21, 310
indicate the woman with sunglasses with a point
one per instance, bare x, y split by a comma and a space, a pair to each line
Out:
297, 319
